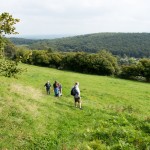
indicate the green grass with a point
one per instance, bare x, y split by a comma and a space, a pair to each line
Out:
115, 115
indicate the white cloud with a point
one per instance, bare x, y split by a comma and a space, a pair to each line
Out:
79, 16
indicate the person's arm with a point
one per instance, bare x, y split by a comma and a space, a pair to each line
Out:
78, 91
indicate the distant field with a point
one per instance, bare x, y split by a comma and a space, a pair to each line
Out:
115, 115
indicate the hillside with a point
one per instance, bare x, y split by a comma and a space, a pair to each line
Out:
115, 112
130, 44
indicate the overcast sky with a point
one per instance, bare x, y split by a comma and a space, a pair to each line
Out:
39, 17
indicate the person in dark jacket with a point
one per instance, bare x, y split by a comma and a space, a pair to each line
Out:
47, 85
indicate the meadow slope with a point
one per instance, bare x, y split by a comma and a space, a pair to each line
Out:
115, 115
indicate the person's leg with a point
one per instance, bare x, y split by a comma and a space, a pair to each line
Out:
60, 92
80, 105
55, 91
75, 102
47, 91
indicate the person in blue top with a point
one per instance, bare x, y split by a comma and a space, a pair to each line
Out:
56, 88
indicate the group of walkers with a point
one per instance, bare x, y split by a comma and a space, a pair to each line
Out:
56, 86
75, 91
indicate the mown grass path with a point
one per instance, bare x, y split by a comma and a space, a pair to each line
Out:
115, 112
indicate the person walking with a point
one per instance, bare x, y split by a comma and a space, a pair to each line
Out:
76, 94
47, 85
60, 89
56, 88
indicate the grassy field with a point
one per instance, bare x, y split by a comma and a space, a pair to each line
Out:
115, 115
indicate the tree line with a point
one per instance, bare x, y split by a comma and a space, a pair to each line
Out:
101, 63
131, 44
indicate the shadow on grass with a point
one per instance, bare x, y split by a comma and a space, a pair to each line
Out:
64, 104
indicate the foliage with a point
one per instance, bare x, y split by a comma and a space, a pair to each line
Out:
130, 44
102, 63
9, 68
9, 49
140, 69
144, 64
22, 41
7, 24
6, 27
130, 71
125, 60
2, 45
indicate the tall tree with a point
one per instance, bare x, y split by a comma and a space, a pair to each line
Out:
7, 23
7, 67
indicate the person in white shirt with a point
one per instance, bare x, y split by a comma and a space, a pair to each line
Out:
77, 97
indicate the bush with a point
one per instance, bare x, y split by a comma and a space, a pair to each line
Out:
9, 68
137, 71
144, 65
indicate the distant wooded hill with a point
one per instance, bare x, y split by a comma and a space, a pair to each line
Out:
130, 44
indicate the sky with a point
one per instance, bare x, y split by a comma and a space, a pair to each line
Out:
78, 17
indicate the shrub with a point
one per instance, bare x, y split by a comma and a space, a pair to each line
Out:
9, 68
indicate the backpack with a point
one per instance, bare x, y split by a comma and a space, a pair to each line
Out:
73, 91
